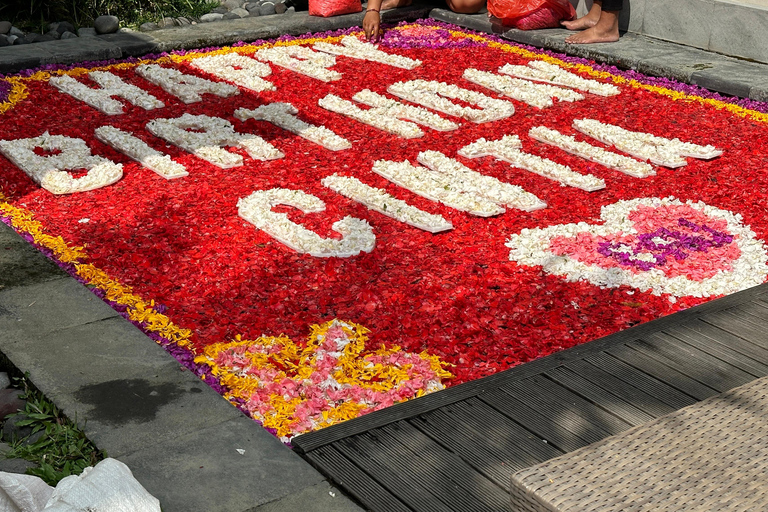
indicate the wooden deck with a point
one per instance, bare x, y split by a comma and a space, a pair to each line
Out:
455, 450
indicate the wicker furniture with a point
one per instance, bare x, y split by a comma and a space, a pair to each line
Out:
710, 456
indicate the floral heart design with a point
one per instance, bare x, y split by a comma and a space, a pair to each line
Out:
652, 244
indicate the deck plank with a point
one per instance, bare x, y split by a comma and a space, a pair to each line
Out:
705, 332
599, 396
468, 490
355, 481
457, 452
636, 379
722, 352
663, 372
550, 431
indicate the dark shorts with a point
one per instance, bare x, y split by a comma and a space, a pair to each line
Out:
613, 5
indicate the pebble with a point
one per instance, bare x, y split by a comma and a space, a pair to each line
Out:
148, 27
241, 12
267, 8
54, 34
4, 40
106, 24
68, 35
232, 4
16, 32
183, 21
11, 39
5, 380
211, 16
231, 16
280, 7
10, 401
5, 27
251, 6
64, 26
86, 32
166, 22
220, 10
12, 432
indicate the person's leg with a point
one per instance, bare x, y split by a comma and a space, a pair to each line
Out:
465, 6
606, 30
588, 20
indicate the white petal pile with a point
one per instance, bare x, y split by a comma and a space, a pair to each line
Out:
434, 95
238, 69
532, 247
552, 74
188, 88
101, 99
658, 150
210, 135
356, 49
436, 186
137, 149
506, 149
284, 115
50, 171
301, 59
257, 209
536, 95
567, 143
371, 117
473, 182
388, 107
379, 200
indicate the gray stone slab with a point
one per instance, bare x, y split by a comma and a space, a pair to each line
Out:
21, 264
478, 22
731, 77
34, 310
759, 92
318, 497
133, 394
204, 471
70, 51
16, 58
686, 22
741, 31
132, 44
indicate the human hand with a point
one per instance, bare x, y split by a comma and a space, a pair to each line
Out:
371, 23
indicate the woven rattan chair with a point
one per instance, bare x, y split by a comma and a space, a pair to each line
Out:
710, 456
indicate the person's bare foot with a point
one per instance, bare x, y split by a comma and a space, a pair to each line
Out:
605, 31
589, 20
393, 4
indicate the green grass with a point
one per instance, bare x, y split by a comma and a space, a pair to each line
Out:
35, 15
62, 450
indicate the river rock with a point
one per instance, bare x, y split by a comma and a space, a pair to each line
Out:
4, 40
16, 32
5, 27
166, 23
267, 8
241, 12
232, 4
86, 32
280, 7
106, 24
231, 16
220, 10
10, 401
211, 16
69, 35
148, 27
65, 26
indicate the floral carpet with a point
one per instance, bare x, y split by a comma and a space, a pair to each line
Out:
320, 227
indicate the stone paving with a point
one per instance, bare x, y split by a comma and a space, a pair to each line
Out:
181, 440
